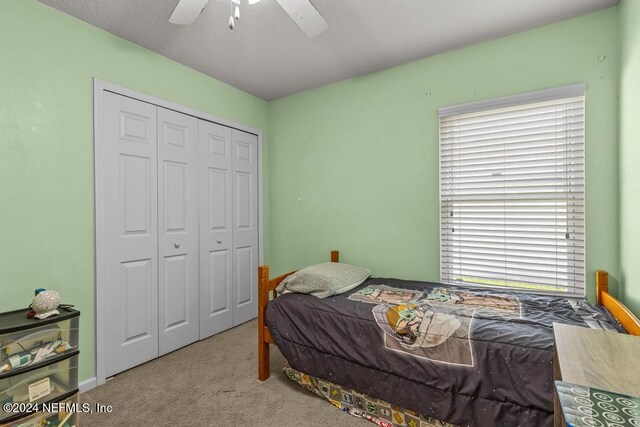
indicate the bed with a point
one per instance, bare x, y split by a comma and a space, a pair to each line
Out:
457, 354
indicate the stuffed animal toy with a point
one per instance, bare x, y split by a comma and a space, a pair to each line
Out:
45, 304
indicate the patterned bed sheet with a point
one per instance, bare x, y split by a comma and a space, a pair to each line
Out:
468, 356
361, 405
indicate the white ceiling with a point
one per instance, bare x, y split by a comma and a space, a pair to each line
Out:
268, 56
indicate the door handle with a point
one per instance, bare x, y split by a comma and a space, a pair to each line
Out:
176, 245
219, 240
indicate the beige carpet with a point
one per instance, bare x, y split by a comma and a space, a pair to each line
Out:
211, 383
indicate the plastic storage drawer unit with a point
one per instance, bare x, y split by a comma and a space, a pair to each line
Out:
27, 342
40, 384
38, 361
64, 414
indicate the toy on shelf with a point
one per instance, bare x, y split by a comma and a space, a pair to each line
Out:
45, 303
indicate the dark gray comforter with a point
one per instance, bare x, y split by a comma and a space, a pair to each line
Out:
462, 355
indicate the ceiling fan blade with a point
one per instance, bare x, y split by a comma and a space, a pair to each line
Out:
305, 15
187, 11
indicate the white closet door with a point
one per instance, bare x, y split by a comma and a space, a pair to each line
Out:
216, 228
178, 230
129, 190
245, 226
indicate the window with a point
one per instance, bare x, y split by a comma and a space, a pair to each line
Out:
512, 191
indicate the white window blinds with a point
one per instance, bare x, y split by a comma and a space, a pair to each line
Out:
512, 175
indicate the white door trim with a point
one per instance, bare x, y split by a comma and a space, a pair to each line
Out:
99, 87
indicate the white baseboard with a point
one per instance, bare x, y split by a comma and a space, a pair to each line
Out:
87, 385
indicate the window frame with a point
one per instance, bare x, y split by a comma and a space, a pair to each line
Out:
539, 96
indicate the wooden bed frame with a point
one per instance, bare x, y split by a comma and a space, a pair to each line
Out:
266, 285
626, 318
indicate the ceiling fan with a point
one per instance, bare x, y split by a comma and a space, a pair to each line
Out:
303, 13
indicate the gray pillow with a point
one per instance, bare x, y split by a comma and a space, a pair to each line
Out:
324, 280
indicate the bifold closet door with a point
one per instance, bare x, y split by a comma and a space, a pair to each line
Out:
179, 234
178, 287
216, 228
228, 227
128, 175
245, 226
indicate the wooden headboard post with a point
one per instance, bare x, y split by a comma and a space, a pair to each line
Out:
263, 299
266, 285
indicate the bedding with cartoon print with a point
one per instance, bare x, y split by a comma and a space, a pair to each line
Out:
465, 355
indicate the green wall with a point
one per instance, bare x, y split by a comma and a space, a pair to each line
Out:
630, 153
354, 165
47, 62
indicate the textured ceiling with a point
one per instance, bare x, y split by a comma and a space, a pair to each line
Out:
268, 56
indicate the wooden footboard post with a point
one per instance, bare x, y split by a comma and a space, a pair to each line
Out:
602, 285
623, 315
263, 344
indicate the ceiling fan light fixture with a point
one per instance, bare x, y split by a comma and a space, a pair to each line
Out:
186, 12
303, 13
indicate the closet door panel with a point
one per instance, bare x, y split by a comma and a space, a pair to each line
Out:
176, 293
245, 226
128, 156
244, 263
216, 228
178, 230
219, 273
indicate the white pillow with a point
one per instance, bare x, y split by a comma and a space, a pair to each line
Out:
324, 280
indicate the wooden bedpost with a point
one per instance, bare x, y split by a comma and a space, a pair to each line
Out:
623, 315
266, 285
602, 285
263, 344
